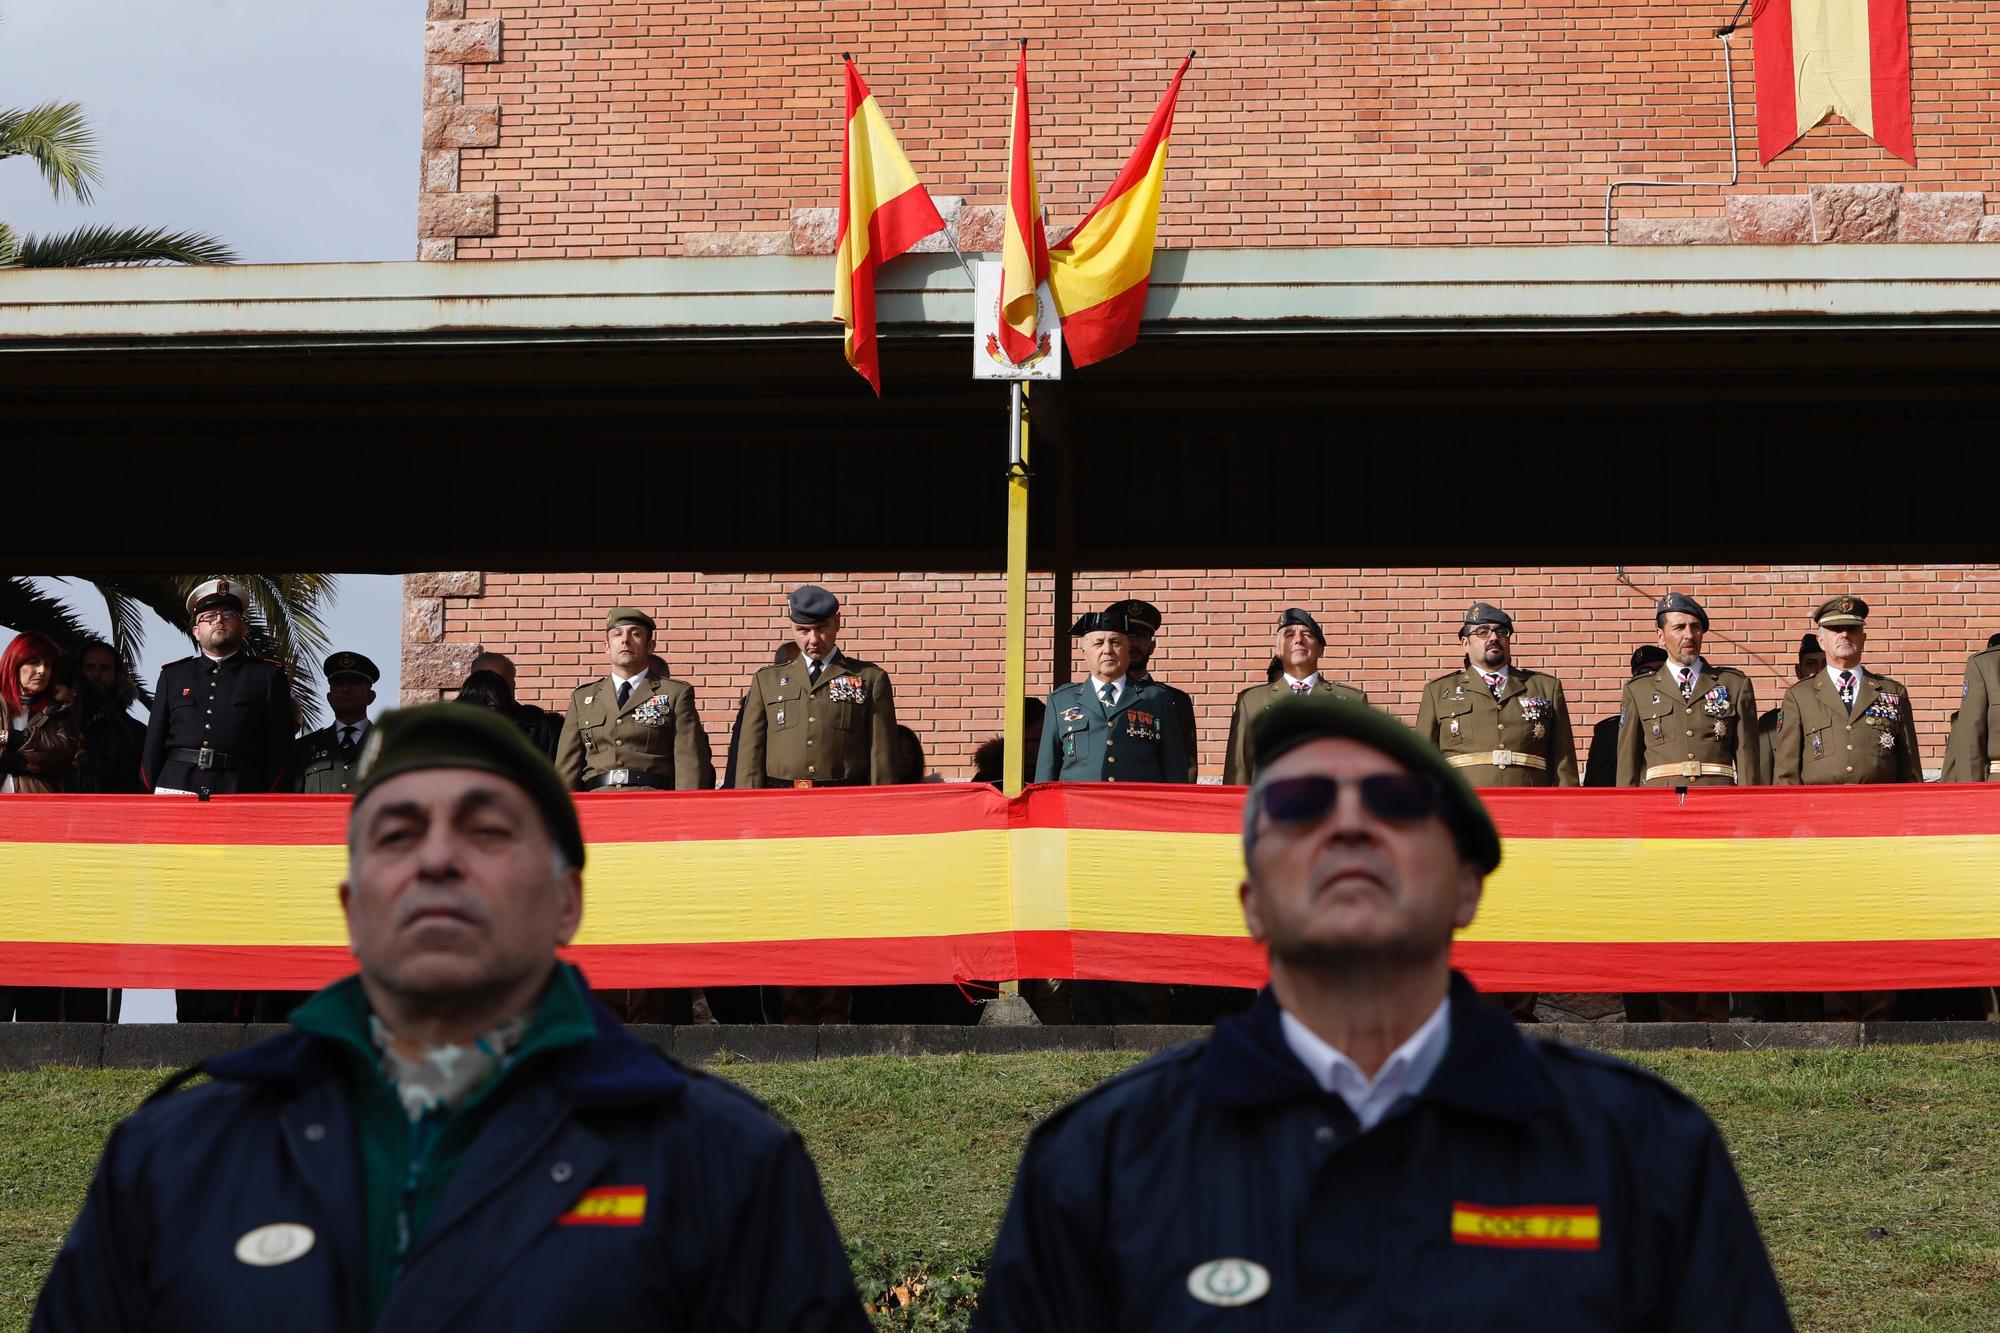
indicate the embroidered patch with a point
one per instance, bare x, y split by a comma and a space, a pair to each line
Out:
847, 690
653, 712
1538, 1227
1072, 715
608, 1206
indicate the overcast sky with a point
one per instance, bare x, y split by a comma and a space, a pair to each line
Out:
288, 128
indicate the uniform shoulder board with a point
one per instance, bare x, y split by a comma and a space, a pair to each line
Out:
1447, 676
179, 661
1986, 652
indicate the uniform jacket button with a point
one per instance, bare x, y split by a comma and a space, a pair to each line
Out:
315, 1132
1324, 1134
561, 1172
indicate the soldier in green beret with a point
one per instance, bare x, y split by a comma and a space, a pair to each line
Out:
637, 727
1301, 644
324, 760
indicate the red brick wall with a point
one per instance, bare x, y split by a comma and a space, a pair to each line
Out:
626, 127
940, 636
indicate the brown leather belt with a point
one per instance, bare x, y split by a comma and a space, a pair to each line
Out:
1497, 759
1688, 768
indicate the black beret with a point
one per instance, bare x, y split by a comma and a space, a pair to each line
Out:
628, 615
1809, 643
1142, 617
1295, 616
444, 735
1649, 656
810, 604
1291, 722
350, 664
1993, 641
1679, 603
1485, 613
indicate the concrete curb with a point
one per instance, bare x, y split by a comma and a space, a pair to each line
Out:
173, 1046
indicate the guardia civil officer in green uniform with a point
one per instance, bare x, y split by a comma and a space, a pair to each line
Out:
637, 727
1972, 754
1847, 725
1142, 623
1110, 728
1690, 723
1301, 644
824, 719
324, 761
1498, 723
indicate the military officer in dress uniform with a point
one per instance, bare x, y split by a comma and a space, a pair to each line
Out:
1811, 662
325, 760
1110, 728
1847, 725
222, 723
1142, 620
1689, 724
1301, 644
1501, 725
1972, 754
637, 727
822, 720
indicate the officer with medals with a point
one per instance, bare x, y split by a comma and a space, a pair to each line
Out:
1142, 623
1972, 754
1689, 724
222, 720
637, 727
1110, 728
1501, 725
324, 761
823, 720
1301, 644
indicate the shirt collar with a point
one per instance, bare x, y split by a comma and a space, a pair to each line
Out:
1833, 674
1406, 1071
1289, 680
632, 680
1118, 686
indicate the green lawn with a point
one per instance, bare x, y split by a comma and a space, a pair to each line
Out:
1874, 1172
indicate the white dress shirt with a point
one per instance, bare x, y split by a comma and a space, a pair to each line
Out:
1406, 1071
1694, 679
1117, 689
1301, 683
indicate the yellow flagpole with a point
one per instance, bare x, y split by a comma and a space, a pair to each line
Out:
1017, 592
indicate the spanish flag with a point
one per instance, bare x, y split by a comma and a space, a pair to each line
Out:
1024, 253
884, 210
1816, 57
1098, 274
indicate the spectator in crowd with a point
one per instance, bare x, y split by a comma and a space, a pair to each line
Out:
41, 736
1142, 626
461, 1135
1601, 768
1811, 661
910, 765
1370, 1147
989, 761
112, 738
489, 690
325, 761
537, 724
1301, 644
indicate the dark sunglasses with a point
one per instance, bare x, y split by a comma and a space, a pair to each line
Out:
1394, 798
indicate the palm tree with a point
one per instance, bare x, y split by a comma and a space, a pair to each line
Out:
63, 146
285, 616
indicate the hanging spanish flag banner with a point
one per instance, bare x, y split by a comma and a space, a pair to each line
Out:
1098, 274
1818, 57
1024, 252
884, 210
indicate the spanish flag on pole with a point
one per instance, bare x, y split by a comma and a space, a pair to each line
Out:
884, 210
1098, 274
1816, 57
1024, 252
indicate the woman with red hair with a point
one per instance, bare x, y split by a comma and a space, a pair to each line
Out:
40, 737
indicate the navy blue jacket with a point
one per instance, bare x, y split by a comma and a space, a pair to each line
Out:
1229, 1150
240, 706
734, 1232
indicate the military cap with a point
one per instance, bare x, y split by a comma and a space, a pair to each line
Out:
1297, 616
350, 664
1649, 656
1293, 721
629, 615
1113, 620
809, 604
1841, 612
216, 592
1485, 613
1993, 641
445, 735
1679, 603
1142, 617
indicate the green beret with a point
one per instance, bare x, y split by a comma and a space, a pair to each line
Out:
1292, 722
445, 735
621, 614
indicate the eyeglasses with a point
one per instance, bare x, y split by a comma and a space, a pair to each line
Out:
1394, 798
1490, 632
211, 617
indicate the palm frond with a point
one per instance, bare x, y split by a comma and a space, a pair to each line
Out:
25, 609
10, 247
287, 621
59, 140
92, 247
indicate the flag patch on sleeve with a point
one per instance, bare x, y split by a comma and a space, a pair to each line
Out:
1536, 1227
607, 1206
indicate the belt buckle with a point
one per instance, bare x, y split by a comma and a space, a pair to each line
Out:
204, 758
618, 777
1690, 768
1503, 758
801, 782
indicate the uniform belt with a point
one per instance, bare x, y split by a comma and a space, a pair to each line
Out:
770, 781
1498, 759
626, 777
1688, 768
205, 759
1993, 767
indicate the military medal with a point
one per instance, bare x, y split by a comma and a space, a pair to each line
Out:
1536, 730
781, 717
1888, 739
1818, 749
1454, 727
1722, 731
1657, 734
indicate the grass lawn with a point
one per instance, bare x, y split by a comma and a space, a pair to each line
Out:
1874, 1172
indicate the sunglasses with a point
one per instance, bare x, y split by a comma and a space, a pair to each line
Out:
1394, 798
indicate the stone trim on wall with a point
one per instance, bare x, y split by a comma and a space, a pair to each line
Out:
451, 42
1827, 214
430, 664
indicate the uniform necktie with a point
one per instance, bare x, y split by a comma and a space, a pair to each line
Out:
1687, 684
1847, 688
813, 669
1300, 687
347, 737
1107, 691
1495, 682
624, 692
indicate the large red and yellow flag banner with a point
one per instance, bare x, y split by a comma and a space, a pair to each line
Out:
1024, 250
1818, 57
1761, 889
884, 210
1099, 273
